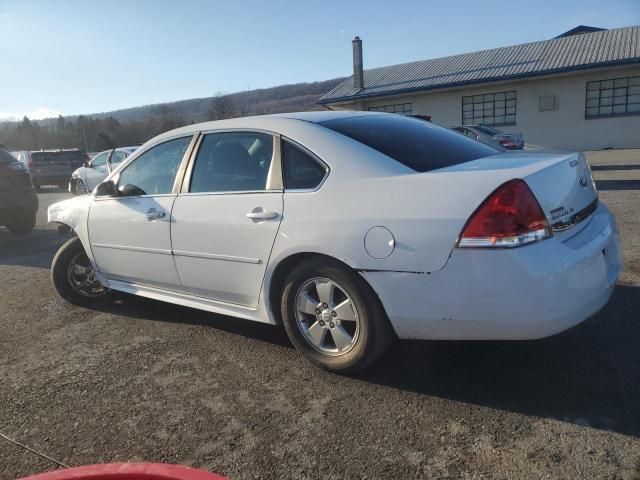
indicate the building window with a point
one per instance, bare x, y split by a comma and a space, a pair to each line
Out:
400, 108
609, 98
489, 109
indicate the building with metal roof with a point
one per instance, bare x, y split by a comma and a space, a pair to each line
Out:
580, 90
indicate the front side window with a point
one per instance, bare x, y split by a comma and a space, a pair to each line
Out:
419, 145
154, 172
399, 108
99, 159
489, 109
619, 96
232, 162
301, 170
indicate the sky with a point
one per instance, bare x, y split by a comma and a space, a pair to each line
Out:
83, 56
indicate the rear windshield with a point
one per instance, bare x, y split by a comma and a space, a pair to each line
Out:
6, 157
420, 145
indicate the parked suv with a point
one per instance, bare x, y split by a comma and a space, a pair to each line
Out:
18, 199
54, 167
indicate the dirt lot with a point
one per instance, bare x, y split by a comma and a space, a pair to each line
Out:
141, 380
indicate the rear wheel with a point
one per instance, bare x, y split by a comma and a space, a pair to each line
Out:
73, 275
21, 225
333, 317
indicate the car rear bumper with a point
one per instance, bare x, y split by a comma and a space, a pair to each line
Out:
50, 179
510, 294
18, 203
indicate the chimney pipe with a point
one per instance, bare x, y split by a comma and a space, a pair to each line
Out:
358, 73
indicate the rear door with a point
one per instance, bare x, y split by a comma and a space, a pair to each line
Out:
130, 233
226, 218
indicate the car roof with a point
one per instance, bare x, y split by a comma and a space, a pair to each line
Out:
278, 122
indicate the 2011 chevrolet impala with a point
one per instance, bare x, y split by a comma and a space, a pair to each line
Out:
349, 228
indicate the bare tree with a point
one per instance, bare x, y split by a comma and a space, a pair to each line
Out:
221, 107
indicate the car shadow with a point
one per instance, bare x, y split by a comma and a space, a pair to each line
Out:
35, 249
147, 309
589, 375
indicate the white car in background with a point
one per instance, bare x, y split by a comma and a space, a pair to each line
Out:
350, 228
87, 177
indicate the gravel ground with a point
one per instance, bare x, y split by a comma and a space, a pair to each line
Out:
141, 380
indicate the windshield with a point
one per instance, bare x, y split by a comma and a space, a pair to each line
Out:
419, 145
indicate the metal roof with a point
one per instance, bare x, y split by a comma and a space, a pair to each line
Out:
577, 52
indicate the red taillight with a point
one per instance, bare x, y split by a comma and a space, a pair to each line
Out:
511, 216
508, 144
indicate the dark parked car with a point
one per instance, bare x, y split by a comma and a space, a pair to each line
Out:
18, 199
492, 136
54, 167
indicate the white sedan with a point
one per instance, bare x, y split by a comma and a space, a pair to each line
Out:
92, 173
349, 228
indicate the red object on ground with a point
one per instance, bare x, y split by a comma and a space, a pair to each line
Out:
128, 471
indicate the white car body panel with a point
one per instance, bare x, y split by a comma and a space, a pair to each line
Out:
211, 233
429, 288
127, 246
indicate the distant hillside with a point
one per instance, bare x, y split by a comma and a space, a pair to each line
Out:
284, 98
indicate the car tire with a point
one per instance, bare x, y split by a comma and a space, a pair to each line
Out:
79, 187
322, 333
21, 225
68, 278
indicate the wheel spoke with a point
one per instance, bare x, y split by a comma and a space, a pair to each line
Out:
307, 304
345, 311
341, 337
316, 334
325, 291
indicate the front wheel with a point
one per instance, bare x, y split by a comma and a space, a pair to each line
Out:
80, 188
333, 317
73, 275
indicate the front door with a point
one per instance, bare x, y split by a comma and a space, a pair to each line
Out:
226, 219
130, 233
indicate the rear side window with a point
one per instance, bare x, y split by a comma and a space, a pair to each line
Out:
419, 145
301, 170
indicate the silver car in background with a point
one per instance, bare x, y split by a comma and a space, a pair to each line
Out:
492, 136
87, 177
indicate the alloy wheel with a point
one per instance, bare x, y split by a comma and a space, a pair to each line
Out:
82, 277
327, 316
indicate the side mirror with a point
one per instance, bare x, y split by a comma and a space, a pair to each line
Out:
85, 164
130, 190
107, 189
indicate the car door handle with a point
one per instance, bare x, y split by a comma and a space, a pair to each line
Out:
262, 215
153, 214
